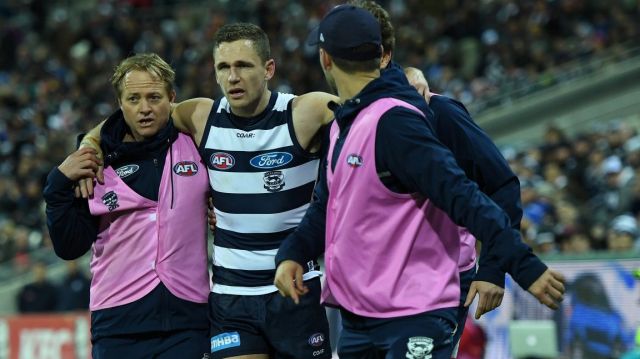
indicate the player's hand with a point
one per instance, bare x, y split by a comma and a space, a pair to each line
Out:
81, 164
85, 185
490, 297
211, 215
416, 79
549, 288
289, 281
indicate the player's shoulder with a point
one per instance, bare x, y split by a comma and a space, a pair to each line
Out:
314, 105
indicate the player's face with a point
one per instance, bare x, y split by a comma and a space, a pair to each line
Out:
145, 103
243, 76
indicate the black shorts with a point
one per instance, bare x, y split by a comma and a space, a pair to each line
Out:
426, 335
184, 344
269, 324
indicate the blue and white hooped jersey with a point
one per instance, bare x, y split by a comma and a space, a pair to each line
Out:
261, 181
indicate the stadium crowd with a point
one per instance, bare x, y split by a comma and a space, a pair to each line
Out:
579, 193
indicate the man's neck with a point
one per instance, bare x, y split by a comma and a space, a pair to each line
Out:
349, 85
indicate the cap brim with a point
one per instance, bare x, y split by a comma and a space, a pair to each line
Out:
314, 36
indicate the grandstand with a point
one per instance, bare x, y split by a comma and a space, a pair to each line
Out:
555, 83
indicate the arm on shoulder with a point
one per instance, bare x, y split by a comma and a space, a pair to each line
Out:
190, 116
314, 106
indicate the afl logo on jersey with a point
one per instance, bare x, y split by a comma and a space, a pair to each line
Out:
354, 160
271, 160
222, 161
185, 168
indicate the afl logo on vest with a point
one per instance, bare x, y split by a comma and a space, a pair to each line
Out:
354, 160
222, 161
185, 168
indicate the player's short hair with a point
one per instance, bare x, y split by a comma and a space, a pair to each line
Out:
386, 28
244, 31
148, 62
350, 66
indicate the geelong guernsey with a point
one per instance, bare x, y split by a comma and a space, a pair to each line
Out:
261, 181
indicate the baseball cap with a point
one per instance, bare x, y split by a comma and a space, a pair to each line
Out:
625, 223
344, 30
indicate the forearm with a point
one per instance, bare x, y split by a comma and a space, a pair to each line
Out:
307, 241
71, 226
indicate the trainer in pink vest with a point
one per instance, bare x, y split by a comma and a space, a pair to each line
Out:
142, 242
386, 254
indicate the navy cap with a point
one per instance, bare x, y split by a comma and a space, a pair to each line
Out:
344, 30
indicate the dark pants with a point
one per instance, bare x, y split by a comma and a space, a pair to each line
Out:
183, 344
426, 335
466, 278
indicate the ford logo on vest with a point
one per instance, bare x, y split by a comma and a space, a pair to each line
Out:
271, 160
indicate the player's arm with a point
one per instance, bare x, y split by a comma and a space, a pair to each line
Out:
190, 116
310, 113
306, 243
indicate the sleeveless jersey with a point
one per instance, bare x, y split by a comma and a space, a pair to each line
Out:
261, 181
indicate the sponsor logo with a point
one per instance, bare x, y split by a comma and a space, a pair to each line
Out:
225, 341
318, 352
110, 199
126, 171
316, 340
185, 168
419, 348
273, 181
245, 135
354, 160
271, 160
222, 161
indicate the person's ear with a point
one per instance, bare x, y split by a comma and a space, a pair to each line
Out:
270, 66
325, 60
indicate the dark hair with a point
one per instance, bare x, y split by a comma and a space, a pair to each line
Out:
386, 28
351, 66
244, 31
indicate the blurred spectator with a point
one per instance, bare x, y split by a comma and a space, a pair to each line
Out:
40, 295
623, 234
74, 289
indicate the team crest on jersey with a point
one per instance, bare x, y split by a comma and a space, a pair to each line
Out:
110, 199
354, 160
271, 160
126, 171
419, 348
222, 161
185, 168
273, 181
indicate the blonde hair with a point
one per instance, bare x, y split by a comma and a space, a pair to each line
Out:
148, 62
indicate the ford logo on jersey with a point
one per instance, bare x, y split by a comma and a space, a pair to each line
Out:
271, 160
